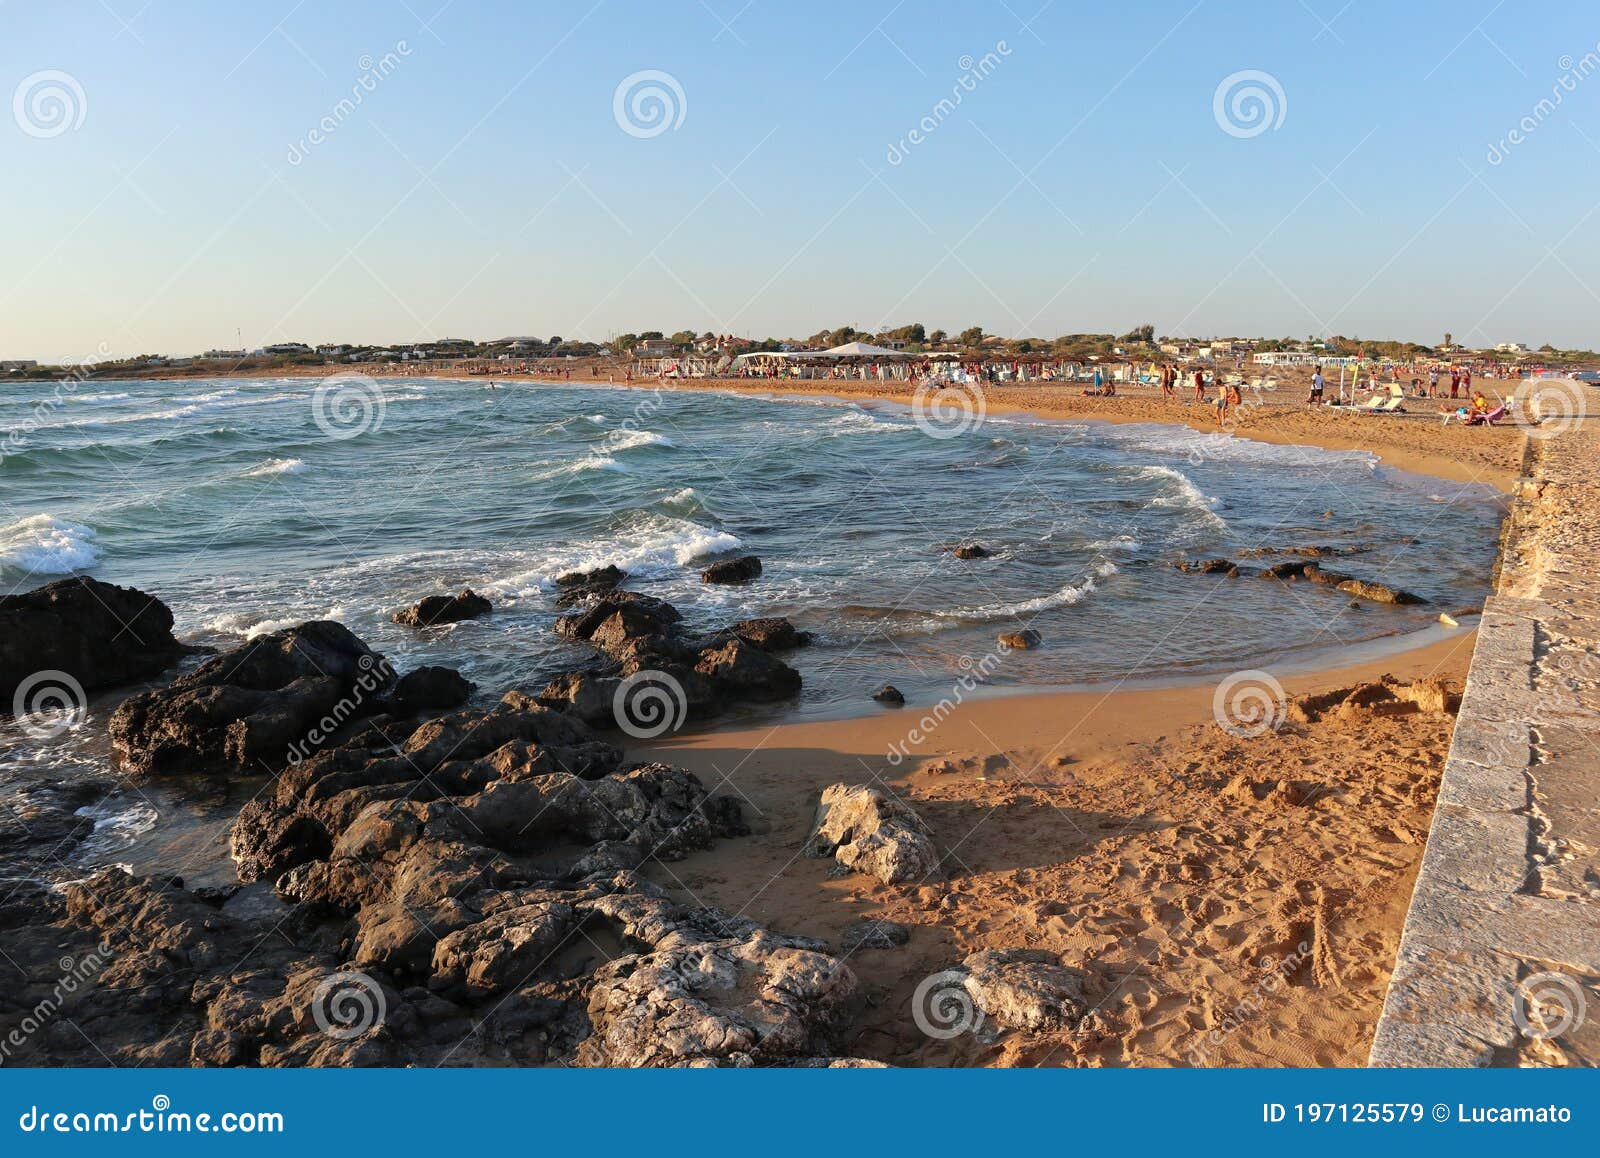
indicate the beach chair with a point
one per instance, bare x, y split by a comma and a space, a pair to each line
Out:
1389, 402
1487, 418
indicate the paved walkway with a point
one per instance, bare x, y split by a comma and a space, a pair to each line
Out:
1499, 963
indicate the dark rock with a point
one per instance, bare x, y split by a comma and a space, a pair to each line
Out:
889, 694
771, 634
1208, 566
1378, 592
740, 570
258, 707
1019, 640
430, 689
579, 586
972, 551
434, 610
1290, 570
99, 634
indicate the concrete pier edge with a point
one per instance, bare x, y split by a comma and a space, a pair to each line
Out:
1506, 907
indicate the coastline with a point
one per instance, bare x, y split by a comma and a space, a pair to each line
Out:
1120, 827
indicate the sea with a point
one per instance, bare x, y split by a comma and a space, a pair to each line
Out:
248, 505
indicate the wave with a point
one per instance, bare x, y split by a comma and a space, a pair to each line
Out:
1120, 543
655, 546
597, 460
44, 544
101, 399
1064, 597
251, 625
1188, 496
634, 438
275, 466
182, 408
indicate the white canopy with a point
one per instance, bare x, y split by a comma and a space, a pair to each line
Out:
864, 350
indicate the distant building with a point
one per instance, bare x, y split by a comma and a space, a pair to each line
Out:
1512, 348
286, 348
224, 355
334, 350
16, 365
655, 348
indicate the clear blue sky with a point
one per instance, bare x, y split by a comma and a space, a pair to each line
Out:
484, 187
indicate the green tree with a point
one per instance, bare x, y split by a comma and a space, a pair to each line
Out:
971, 336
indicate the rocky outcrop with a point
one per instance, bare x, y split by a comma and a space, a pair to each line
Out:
465, 895
99, 634
257, 707
1208, 567
874, 833
740, 570
890, 695
972, 551
1360, 588
437, 610
1019, 640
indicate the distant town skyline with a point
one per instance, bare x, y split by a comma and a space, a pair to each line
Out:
184, 178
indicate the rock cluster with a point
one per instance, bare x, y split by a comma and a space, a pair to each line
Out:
643, 642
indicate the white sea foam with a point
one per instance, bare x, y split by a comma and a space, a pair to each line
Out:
654, 545
1064, 597
44, 544
251, 624
1120, 543
101, 399
117, 824
277, 466
595, 460
635, 438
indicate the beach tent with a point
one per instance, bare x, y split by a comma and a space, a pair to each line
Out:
863, 350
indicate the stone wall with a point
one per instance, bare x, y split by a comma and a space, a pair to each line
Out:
1500, 956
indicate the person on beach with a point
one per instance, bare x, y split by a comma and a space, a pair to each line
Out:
1199, 385
1433, 382
1317, 384
1455, 382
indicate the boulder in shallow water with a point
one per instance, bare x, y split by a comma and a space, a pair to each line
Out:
972, 551
99, 634
773, 633
1378, 592
435, 610
891, 695
1019, 640
575, 587
430, 688
740, 570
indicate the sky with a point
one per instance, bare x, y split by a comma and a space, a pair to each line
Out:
178, 175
